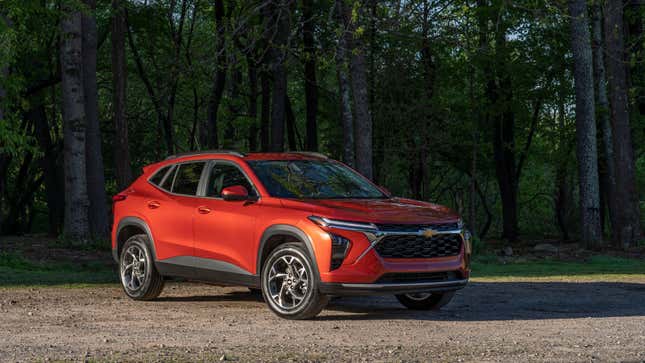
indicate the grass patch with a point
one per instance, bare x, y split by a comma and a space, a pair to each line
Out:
596, 267
15, 270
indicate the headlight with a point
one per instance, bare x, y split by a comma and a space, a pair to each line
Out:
460, 224
348, 225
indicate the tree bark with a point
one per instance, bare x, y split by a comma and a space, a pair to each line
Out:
311, 85
74, 124
265, 111
290, 119
98, 215
628, 230
606, 169
212, 140
585, 125
122, 164
347, 118
358, 81
252, 74
280, 23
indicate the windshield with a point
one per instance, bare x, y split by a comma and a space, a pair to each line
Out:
313, 179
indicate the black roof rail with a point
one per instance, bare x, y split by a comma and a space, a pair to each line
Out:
203, 152
309, 153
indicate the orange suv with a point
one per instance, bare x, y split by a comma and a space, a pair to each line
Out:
298, 226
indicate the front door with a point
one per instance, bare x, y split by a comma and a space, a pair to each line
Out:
225, 230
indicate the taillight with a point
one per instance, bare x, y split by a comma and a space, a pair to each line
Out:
119, 197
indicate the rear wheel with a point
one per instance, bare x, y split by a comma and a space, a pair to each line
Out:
425, 300
139, 277
289, 284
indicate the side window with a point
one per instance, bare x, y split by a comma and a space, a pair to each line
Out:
167, 183
158, 177
187, 178
226, 175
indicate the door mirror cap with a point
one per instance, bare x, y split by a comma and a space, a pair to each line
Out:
235, 192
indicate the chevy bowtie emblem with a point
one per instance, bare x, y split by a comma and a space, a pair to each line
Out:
429, 233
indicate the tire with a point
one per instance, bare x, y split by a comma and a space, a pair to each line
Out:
139, 277
290, 284
426, 301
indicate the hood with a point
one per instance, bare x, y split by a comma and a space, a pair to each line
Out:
393, 210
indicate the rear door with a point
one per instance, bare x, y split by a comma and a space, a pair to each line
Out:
172, 215
225, 230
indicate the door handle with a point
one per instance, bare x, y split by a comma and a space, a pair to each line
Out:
154, 204
203, 210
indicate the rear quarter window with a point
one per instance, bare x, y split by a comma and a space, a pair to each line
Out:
157, 178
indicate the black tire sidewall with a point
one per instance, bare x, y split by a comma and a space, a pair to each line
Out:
433, 302
141, 243
311, 294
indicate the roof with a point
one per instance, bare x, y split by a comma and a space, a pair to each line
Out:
291, 155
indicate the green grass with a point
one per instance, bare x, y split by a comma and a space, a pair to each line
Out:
15, 270
596, 267
18, 271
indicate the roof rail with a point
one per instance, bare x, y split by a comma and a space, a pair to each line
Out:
309, 153
202, 152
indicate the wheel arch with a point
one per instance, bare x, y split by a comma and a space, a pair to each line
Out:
279, 234
128, 227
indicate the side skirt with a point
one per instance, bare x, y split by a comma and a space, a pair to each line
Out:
207, 270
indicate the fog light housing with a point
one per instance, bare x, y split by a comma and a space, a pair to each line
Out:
339, 248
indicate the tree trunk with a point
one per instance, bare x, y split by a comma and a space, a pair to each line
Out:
51, 175
253, 103
311, 85
291, 126
74, 124
98, 215
212, 140
344, 88
280, 24
585, 124
123, 169
265, 112
628, 230
358, 80
606, 168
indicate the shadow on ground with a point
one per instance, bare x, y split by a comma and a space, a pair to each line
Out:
486, 301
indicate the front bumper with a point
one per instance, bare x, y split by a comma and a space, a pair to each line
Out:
348, 289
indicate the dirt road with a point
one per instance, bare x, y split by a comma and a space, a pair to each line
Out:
487, 321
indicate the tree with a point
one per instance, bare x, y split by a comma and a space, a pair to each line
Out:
585, 124
211, 140
122, 166
279, 26
358, 81
628, 230
98, 217
311, 86
344, 91
74, 126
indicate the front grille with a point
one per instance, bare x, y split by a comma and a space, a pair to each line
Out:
413, 246
440, 227
417, 277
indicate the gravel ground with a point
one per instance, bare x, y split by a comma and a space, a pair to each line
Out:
487, 321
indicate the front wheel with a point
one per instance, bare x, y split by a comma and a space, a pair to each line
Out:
425, 300
289, 284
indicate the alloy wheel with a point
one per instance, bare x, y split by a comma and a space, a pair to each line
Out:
133, 268
288, 282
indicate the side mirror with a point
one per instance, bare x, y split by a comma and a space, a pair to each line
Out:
235, 192
385, 190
